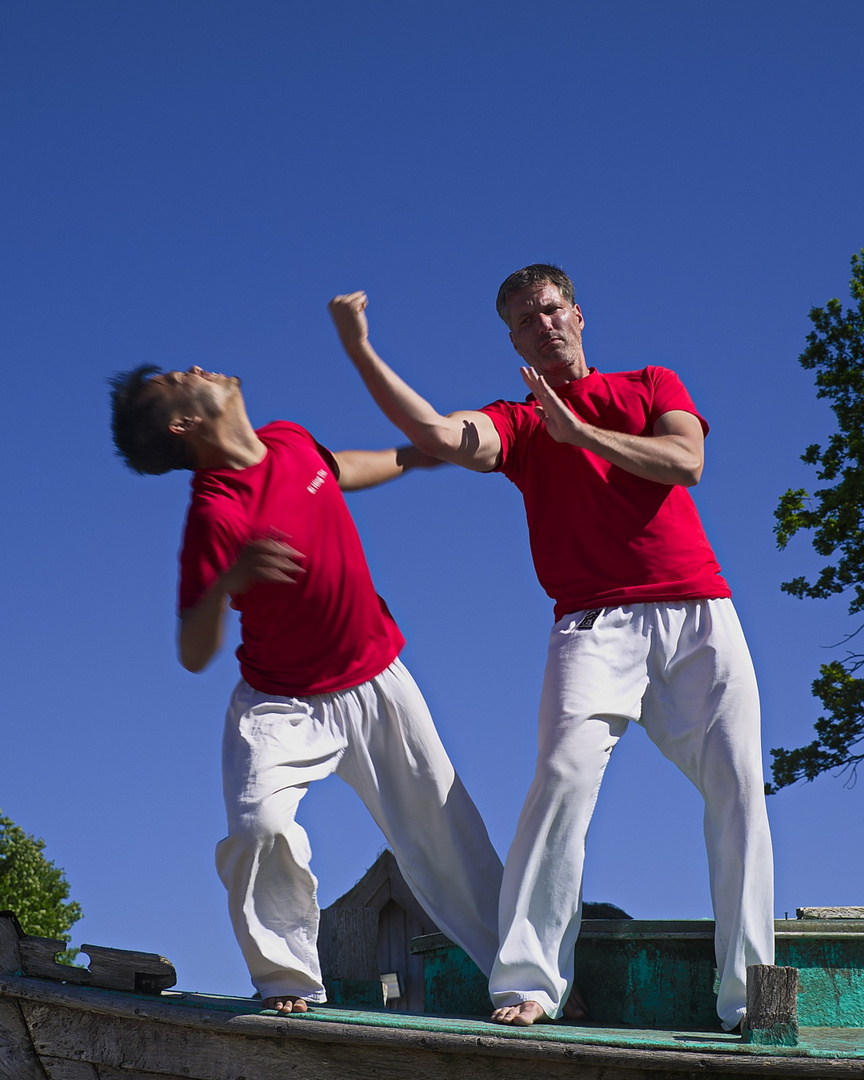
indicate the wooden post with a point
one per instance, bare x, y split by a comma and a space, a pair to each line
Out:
772, 1006
347, 944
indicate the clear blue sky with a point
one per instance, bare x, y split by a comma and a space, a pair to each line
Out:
191, 182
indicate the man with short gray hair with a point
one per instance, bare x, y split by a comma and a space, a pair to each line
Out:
644, 629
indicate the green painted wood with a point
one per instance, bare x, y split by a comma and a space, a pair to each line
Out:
830, 976
662, 974
355, 993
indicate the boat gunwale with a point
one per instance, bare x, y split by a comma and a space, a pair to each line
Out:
532, 1043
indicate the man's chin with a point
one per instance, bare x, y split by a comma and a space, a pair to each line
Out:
558, 372
553, 364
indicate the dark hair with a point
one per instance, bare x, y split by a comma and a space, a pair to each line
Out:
535, 274
139, 425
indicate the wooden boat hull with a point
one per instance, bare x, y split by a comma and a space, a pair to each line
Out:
117, 1020
53, 1031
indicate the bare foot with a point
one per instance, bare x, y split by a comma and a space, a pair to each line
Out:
285, 1003
522, 1015
575, 1007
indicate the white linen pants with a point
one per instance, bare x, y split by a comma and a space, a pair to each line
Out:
379, 737
683, 671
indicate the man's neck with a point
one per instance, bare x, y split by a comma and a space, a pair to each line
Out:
572, 374
230, 453
228, 442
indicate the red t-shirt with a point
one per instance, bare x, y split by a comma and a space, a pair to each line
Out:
329, 630
600, 536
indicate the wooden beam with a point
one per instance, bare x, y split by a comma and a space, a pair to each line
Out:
124, 969
111, 969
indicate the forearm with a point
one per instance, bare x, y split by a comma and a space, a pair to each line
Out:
200, 633
439, 436
263, 559
360, 469
467, 438
672, 454
665, 459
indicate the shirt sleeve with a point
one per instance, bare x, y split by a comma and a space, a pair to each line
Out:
210, 547
670, 395
278, 429
327, 458
506, 416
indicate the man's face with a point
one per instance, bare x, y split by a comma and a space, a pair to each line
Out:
194, 392
547, 333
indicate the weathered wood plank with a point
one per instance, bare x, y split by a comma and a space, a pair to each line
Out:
112, 969
347, 938
18, 1059
189, 1043
62, 1069
10, 934
170, 1052
38, 960
144, 1038
830, 912
124, 969
347, 945
76, 1070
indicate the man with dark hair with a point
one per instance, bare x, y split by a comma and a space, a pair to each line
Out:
139, 425
322, 689
645, 630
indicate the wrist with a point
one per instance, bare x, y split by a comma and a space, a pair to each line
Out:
408, 457
360, 351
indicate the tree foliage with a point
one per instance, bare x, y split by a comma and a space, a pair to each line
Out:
834, 516
34, 888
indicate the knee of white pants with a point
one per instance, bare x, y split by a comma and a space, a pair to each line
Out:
258, 825
574, 748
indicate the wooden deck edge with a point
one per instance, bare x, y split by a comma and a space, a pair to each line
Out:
740, 1062
682, 930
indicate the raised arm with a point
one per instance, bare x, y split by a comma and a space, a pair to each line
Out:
673, 454
464, 438
200, 633
368, 468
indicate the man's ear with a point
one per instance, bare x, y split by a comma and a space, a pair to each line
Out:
184, 425
513, 343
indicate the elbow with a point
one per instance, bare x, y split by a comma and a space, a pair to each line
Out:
691, 474
433, 442
192, 667
453, 439
191, 658
194, 664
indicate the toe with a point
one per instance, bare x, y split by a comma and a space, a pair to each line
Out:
529, 1012
285, 1004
